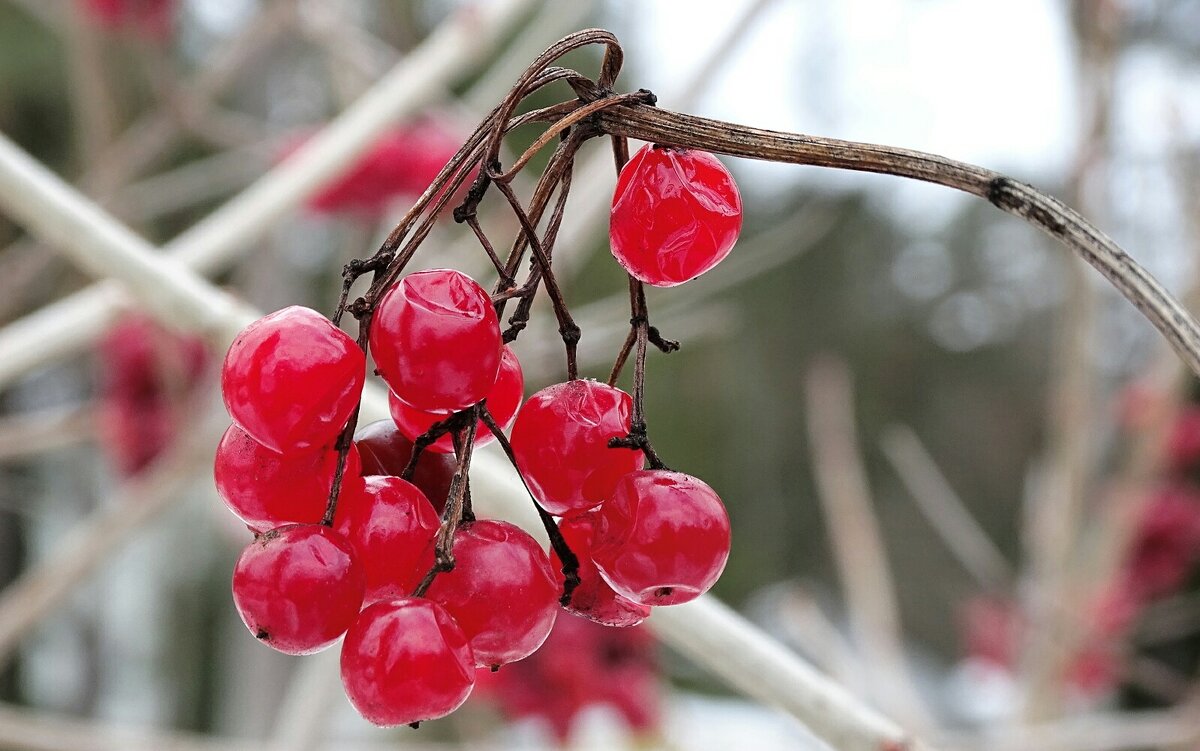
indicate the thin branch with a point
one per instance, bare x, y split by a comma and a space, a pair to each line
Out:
856, 537
48, 584
1039, 209
69, 324
944, 509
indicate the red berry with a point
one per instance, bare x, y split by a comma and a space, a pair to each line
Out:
406, 661
593, 598
391, 525
298, 588
403, 162
1166, 544
145, 377
267, 490
385, 451
501, 591
581, 665
502, 402
436, 340
560, 439
676, 213
662, 539
292, 379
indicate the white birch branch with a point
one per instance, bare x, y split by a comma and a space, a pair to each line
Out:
449, 52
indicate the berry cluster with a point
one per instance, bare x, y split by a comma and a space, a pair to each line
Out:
1161, 555
145, 377
581, 665
372, 535
401, 163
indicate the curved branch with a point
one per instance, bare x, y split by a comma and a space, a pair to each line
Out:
1039, 209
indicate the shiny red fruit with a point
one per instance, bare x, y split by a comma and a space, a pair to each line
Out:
391, 525
267, 490
560, 439
501, 591
502, 401
298, 588
291, 379
676, 213
593, 598
385, 451
662, 539
436, 340
406, 661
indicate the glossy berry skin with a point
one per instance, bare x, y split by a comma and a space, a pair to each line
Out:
662, 539
298, 588
391, 525
267, 490
560, 439
436, 340
406, 661
291, 379
501, 591
676, 213
385, 451
502, 401
593, 598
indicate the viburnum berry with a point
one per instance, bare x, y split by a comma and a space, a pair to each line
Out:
391, 525
298, 588
560, 439
267, 490
292, 379
501, 591
593, 598
581, 665
385, 451
502, 401
145, 376
403, 162
662, 538
406, 661
436, 340
676, 213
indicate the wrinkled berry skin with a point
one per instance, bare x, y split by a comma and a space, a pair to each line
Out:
391, 525
676, 214
501, 592
406, 661
593, 598
385, 451
662, 539
436, 340
502, 401
267, 490
291, 379
298, 588
560, 439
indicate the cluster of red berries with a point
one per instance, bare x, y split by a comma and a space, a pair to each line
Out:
581, 665
1163, 552
145, 377
365, 562
401, 163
